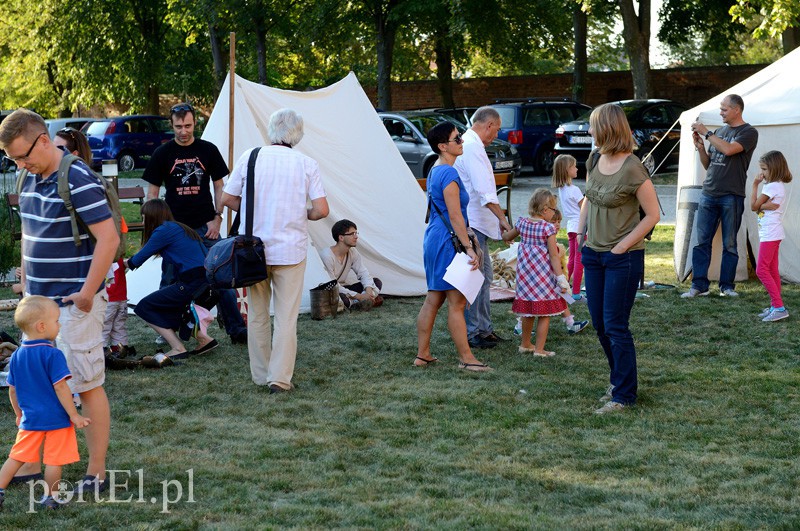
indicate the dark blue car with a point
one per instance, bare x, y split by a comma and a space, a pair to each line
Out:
129, 139
530, 126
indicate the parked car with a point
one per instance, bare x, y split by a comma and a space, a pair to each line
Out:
129, 139
650, 120
57, 124
530, 125
408, 129
462, 114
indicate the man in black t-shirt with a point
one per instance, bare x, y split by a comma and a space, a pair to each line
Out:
187, 167
721, 204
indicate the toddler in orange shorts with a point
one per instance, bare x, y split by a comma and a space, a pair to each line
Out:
41, 398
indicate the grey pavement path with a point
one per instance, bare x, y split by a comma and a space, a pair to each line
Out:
521, 192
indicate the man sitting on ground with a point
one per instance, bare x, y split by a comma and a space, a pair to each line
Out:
343, 262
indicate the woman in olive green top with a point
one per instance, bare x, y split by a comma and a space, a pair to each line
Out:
613, 254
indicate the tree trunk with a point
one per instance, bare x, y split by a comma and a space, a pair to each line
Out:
261, 54
152, 99
385, 31
636, 32
579, 25
790, 39
216, 55
444, 70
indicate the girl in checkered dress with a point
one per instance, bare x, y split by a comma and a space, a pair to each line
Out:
540, 279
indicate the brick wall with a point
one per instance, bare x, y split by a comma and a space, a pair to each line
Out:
690, 86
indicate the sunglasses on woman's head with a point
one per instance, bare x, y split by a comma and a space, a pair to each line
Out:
457, 139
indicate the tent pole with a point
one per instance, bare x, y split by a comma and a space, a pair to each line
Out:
231, 92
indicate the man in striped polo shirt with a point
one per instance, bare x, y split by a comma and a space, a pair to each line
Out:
53, 266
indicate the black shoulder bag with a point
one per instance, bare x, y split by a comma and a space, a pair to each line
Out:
459, 247
239, 261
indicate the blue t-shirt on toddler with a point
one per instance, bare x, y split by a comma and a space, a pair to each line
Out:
35, 367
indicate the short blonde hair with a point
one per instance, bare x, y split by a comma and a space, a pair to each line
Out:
32, 310
611, 130
560, 170
557, 216
21, 122
542, 198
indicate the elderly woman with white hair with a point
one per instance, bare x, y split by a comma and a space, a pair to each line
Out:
285, 180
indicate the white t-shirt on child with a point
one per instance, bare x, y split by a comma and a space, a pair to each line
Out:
770, 222
570, 197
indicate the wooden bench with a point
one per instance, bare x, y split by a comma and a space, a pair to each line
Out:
128, 193
502, 182
136, 195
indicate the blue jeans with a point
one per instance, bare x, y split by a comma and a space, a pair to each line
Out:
611, 283
479, 313
712, 212
227, 305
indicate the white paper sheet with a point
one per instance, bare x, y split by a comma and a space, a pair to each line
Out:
460, 274
567, 296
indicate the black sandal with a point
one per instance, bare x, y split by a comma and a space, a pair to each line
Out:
426, 362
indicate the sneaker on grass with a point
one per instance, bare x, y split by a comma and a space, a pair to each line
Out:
775, 315
91, 484
728, 293
608, 396
692, 293
765, 312
576, 327
50, 503
610, 407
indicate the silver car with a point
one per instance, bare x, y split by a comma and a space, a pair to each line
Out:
408, 129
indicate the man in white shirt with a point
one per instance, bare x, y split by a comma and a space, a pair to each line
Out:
485, 216
343, 262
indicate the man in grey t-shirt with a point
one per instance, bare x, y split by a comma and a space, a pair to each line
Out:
722, 201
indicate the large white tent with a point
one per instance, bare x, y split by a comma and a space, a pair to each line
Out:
365, 177
772, 106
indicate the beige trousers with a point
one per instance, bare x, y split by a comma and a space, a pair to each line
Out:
272, 357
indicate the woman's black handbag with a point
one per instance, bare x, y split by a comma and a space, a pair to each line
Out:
239, 261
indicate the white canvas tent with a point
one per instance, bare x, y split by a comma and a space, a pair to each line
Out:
365, 177
772, 105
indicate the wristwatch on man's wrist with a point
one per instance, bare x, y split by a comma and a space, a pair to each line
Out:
708, 134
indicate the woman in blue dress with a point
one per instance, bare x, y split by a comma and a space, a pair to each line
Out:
182, 247
447, 196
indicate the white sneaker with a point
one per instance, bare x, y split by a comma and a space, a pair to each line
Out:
692, 293
610, 407
606, 397
728, 293
765, 312
577, 327
775, 315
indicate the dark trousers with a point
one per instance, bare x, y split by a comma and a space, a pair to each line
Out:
611, 283
358, 287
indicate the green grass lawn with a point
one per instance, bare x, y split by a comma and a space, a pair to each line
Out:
368, 441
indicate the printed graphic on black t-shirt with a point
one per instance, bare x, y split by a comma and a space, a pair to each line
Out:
186, 172
189, 173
